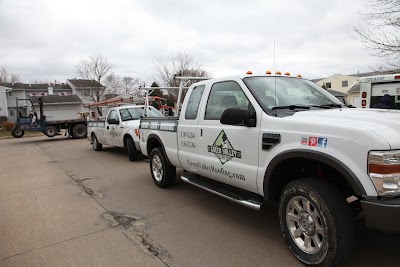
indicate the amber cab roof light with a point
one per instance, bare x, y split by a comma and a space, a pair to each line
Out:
249, 72
299, 75
268, 72
278, 72
287, 73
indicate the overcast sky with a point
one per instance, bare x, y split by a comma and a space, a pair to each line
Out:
45, 39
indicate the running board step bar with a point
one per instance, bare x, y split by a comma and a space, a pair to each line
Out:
250, 203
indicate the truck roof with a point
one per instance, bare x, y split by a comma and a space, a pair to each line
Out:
245, 76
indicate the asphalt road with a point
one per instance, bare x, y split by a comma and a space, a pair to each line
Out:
63, 204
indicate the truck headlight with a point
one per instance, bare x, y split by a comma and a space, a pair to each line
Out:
384, 170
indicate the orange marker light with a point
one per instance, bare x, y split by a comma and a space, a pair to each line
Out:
278, 72
287, 73
268, 72
249, 72
299, 75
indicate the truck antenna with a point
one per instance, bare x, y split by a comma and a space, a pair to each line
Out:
275, 75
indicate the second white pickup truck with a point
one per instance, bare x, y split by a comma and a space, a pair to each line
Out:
120, 129
252, 139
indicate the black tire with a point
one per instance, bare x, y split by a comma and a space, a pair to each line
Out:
17, 133
50, 131
325, 235
79, 131
162, 172
131, 149
95, 143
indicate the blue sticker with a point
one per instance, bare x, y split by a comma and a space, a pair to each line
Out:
322, 142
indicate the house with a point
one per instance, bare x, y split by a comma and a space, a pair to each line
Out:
3, 101
85, 89
89, 91
337, 82
348, 84
65, 107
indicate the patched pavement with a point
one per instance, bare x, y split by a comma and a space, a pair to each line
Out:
49, 219
63, 204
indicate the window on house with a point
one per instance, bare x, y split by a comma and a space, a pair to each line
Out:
11, 112
9, 93
328, 85
345, 83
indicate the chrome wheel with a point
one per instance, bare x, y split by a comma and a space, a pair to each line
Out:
157, 168
305, 224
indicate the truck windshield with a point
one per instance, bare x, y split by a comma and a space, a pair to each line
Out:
128, 114
280, 92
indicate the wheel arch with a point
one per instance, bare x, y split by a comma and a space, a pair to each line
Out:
304, 163
126, 136
154, 141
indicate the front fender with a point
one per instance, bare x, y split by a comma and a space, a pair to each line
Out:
358, 186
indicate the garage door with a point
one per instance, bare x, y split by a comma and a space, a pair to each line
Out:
356, 101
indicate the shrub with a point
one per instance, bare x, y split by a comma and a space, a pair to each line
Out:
7, 125
3, 118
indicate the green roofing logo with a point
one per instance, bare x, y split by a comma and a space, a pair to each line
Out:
223, 149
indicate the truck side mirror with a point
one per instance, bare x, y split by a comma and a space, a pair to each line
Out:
113, 121
237, 116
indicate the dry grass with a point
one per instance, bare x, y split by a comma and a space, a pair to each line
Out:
7, 134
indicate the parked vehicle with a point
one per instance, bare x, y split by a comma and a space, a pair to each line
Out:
252, 139
120, 128
380, 91
74, 127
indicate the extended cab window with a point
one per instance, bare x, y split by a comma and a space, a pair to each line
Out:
224, 95
194, 102
113, 115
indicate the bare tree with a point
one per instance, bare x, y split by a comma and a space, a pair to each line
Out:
130, 85
40, 81
9, 77
181, 64
92, 71
382, 34
112, 83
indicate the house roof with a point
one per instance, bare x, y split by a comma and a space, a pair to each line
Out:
85, 83
376, 73
336, 93
36, 86
354, 89
109, 96
57, 99
364, 74
13, 85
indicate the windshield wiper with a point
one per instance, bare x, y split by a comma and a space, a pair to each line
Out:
327, 106
291, 107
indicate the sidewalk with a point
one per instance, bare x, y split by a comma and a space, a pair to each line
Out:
47, 219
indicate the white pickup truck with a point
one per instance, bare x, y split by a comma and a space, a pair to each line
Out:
253, 139
120, 129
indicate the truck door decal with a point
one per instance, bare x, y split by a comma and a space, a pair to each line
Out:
223, 149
